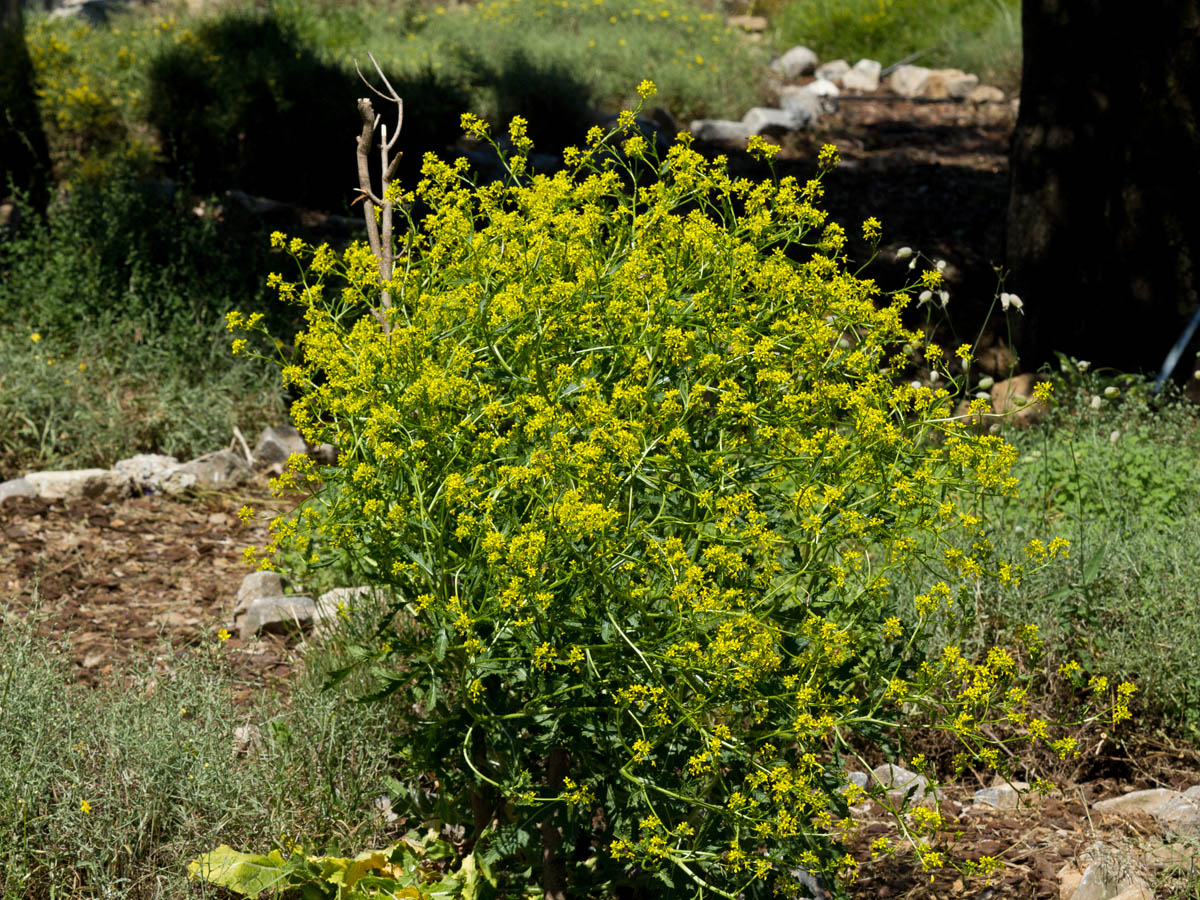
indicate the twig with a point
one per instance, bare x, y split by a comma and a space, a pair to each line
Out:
237, 433
379, 234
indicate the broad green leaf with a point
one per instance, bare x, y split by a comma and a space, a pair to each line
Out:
347, 872
245, 873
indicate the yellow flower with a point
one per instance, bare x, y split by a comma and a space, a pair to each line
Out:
35, 337
86, 808
646, 89
223, 635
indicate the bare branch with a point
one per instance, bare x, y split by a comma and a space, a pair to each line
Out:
379, 233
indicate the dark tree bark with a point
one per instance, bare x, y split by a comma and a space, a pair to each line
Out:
24, 159
1104, 227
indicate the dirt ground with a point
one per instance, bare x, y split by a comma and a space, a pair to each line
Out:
146, 574
151, 572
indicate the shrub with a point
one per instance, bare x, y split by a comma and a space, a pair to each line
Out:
637, 467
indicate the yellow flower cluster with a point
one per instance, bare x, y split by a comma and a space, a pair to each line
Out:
640, 458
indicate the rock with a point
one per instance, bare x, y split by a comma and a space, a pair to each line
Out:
960, 88
278, 615
331, 604
796, 62
324, 454
748, 23
1146, 803
985, 93
948, 84
770, 121
1105, 880
862, 779
899, 782
93, 660
1109, 873
1180, 816
212, 471
103, 485
146, 470
92, 12
997, 360
1015, 397
719, 131
1193, 793
16, 487
908, 81
1137, 891
1002, 796
276, 445
822, 87
1180, 857
864, 77
803, 104
246, 739
255, 586
833, 70
1068, 880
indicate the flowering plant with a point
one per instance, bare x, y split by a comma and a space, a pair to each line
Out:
634, 458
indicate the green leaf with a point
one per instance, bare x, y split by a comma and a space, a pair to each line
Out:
244, 873
347, 872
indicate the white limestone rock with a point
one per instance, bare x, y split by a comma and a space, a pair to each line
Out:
103, 485
803, 104
279, 615
908, 81
146, 470
276, 445
721, 131
794, 63
864, 77
212, 471
832, 70
16, 487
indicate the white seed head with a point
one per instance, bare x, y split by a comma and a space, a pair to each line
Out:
945, 297
1096, 401
1115, 436
924, 296
1083, 365
1112, 391
986, 382
940, 265
904, 253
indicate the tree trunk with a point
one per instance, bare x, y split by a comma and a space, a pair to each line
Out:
1103, 242
24, 159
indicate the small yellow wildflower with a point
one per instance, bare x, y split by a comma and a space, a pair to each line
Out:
646, 89
35, 337
223, 635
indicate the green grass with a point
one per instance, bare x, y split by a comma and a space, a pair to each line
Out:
1122, 483
979, 36
111, 326
109, 791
